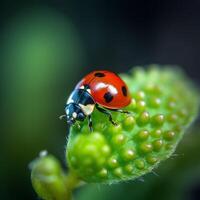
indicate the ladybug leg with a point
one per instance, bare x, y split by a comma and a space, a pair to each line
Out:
122, 111
106, 112
90, 123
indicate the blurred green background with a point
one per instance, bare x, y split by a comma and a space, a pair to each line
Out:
47, 46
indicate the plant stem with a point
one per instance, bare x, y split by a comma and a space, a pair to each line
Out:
71, 182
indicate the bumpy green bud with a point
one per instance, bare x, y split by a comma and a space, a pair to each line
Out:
47, 178
164, 103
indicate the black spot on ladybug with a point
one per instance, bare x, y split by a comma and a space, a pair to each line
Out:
108, 97
124, 91
99, 74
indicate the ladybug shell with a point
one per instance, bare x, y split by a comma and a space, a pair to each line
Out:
107, 89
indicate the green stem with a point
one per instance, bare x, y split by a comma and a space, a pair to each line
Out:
71, 182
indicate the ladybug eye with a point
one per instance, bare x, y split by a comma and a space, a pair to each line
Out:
81, 116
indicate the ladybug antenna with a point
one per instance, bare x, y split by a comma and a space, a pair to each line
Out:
62, 116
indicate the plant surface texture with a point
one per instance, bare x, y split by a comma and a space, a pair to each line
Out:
164, 104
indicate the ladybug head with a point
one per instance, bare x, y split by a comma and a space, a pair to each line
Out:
73, 113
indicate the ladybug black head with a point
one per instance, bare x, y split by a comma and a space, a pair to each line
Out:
73, 113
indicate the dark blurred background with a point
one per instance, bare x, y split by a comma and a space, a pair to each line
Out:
47, 46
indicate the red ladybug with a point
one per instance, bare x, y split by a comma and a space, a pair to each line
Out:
104, 90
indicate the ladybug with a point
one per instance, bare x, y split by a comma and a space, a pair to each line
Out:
104, 90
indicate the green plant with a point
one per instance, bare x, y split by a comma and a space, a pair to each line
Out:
164, 104
175, 179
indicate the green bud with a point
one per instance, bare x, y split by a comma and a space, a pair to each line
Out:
47, 178
164, 103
